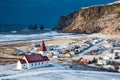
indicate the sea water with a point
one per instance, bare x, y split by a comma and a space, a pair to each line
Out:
15, 33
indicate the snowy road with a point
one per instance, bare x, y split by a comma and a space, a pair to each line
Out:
96, 46
58, 73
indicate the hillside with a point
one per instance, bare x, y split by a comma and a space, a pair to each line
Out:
93, 19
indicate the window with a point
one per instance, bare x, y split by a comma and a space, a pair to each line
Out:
42, 62
32, 64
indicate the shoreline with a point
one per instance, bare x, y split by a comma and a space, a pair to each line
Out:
101, 35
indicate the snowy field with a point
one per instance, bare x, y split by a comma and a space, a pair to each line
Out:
55, 72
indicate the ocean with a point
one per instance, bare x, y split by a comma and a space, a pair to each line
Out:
31, 36
16, 33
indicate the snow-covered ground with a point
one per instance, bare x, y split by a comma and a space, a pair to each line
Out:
55, 72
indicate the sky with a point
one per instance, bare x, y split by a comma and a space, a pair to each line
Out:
40, 11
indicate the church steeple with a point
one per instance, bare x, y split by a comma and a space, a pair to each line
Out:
43, 49
42, 46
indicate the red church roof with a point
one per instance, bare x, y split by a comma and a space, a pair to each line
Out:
34, 58
22, 61
42, 46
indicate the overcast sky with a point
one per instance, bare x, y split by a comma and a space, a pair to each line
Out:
40, 11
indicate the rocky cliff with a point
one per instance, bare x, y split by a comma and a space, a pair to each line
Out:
93, 19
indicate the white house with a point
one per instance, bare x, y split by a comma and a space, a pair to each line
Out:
109, 67
102, 62
34, 60
107, 56
107, 45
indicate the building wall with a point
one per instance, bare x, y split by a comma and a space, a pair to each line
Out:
43, 53
19, 66
116, 51
38, 64
102, 62
24, 66
32, 65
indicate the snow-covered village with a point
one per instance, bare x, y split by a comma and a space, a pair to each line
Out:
59, 39
87, 54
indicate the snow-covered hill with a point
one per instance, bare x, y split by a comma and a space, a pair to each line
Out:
55, 72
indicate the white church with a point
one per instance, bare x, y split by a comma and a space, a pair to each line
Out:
30, 61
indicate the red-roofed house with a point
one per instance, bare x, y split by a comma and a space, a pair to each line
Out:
30, 61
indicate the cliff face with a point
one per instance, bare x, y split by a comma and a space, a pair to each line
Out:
103, 18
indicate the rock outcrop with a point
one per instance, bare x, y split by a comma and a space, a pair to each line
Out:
93, 19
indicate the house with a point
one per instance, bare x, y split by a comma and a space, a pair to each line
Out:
108, 57
67, 55
116, 51
107, 44
109, 67
102, 62
84, 61
35, 47
118, 68
89, 43
30, 61
18, 51
72, 52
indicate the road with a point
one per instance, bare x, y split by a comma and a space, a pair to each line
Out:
96, 46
